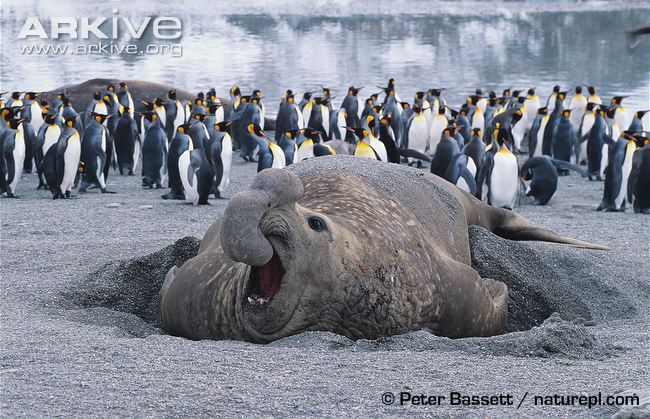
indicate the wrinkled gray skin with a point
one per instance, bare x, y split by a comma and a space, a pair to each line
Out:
394, 258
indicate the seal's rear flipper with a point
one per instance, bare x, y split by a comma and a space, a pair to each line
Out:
513, 227
499, 293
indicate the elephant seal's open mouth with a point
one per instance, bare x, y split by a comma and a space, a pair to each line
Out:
264, 281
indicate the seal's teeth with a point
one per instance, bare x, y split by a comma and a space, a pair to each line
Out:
250, 300
262, 300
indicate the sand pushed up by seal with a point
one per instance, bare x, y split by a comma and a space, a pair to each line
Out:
358, 248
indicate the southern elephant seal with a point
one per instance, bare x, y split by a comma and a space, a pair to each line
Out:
353, 246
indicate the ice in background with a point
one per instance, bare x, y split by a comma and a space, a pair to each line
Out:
276, 45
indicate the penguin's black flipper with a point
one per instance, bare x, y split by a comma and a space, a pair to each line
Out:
10, 166
469, 179
565, 165
486, 167
193, 168
407, 152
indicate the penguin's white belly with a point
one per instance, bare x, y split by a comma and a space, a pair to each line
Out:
504, 182
437, 126
418, 134
360, 106
325, 112
301, 120
219, 115
191, 191
226, 160
587, 123
306, 114
478, 120
519, 130
279, 159
19, 158
340, 121
621, 120
305, 152
262, 113
379, 148
604, 159
71, 158
100, 108
626, 169
532, 106
616, 131
471, 166
179, 119
482, 104
540, 138
52, 134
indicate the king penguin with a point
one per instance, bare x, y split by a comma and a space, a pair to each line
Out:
500, 173
221, 155
13, 153
617, 173
181, 143
154, 152
93, 153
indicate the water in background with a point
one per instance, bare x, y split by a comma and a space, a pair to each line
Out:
275, 45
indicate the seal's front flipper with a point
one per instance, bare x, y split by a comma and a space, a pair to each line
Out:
471, 305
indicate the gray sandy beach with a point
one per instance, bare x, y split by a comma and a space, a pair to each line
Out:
80, 335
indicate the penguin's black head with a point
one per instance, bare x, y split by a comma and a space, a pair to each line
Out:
110, 88
312, 134
591, 90
172, 94
501, 136
147, 105
257, 93
7, 114
353, 91
15, 95
561, 96
49, 118
556, 89
149, 116
43, 102
591, 106
449, 131
212, 108
516, 116
455, 113
199, 116
405, 105
391, 83
307, 95
419, 95
245, 99
527, 175
158, 101
71, 120
184, 128
493, 94
616, 100
542, 111
359, 133
13, 123
369, 101
291, 134
531, 92
478, 92
31, 95
506, 92
222, 126
235, 91
198, 101
66, 102
126, 111
123, 85
640, 114
476, 132
566, 113
97, 117
578, 89
521, 99
256, 130
97, 96
441, 110
385, 120
326, 91
417, 108
200, 96
516, 93
374, 96
464, 109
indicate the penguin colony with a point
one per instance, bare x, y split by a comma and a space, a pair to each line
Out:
189, 145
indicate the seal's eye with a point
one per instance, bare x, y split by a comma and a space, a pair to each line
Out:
317, 223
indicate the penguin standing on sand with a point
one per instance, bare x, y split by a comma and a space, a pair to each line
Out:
13, 154
542, 173
94, 145
532, 105
551, 126
48, 135
127, 143
386, 136
597, 146
179, 144
536, 133
445, 150
639, 181
220, 153
125, 99
417, 134
33, 116
578, 106
288, 144
196, 175
500, 173
475, 152
587, 122
61, 163
287, 118
620, 115
565, 139
617, 173
154, 152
